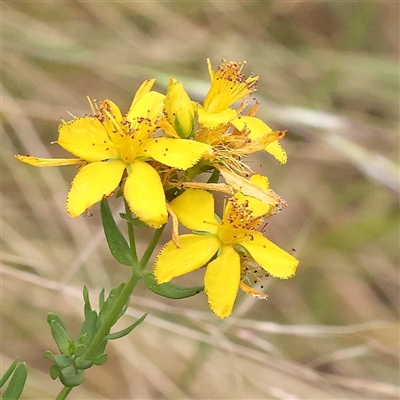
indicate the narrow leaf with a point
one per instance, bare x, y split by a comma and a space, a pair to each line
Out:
88, 329
54, 317
8, 373
170, 290
87, 307
60, 336
17, 383
116, 241
126, 331
101, 298
111, 299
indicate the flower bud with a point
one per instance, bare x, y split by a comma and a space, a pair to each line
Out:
178, 109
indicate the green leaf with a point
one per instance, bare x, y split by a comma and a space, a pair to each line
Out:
49, 355
116, 241
80, 349
170, 290
88, 329
54, 317
8, 373
101, 297
62, 360
126, 331
70, 377
83, 364
100, 359
111, 299
17, 383
87, 308
60, 336
54, 372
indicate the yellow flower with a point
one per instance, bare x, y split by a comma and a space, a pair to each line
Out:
227, 239
228, 85
178, 109
109, 144
216, 118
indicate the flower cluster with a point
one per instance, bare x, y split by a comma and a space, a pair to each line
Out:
153, 154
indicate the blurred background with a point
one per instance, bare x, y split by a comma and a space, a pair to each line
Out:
329, 74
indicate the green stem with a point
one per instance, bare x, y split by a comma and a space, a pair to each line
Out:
113, 315
214, 176
150, 248
131, 234
64, 392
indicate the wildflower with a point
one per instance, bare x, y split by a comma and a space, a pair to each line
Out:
178, 109
111, 147
216, 118
228, 85
219, 245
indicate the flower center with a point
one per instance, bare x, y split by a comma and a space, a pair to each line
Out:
237, 222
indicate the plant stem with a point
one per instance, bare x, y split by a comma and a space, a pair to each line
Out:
150, 248
131, 233
64, 392
214, 176
113, 315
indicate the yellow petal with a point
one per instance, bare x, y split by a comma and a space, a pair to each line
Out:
48, 162
255, 126
195, 210
93, 182
276, 150
213, 120
261, 181
221, 281
111, 109
272, 258
144, 88
86, 138
144, 193
257, 129
249, 188
149, 106
261, 136
177, 153
257, 207
210, 70
167, 127
193, 253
